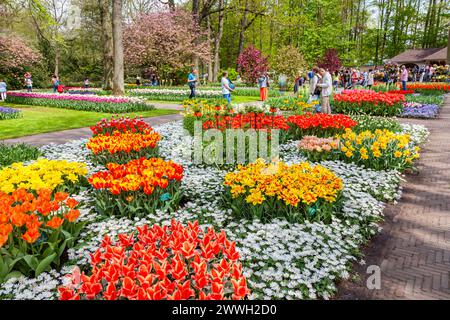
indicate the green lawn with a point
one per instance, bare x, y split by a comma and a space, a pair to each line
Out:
43, 119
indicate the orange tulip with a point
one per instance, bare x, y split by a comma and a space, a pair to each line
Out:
55, 222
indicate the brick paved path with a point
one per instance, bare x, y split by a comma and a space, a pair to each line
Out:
413, 250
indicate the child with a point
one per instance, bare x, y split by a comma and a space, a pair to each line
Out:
29, 84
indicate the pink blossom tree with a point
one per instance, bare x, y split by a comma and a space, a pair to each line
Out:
330, 61
16, 57
165, 41
251, 64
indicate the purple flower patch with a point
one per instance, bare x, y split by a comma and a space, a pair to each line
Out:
417, 110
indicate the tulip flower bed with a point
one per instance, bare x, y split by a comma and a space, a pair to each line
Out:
120, 124
108, 104
173, 94
297, 193
401, 92
162, 263
35, 230
121, 147
17, 153
368, 102
289, 103
177, 93
319, 124
141, 186
318, 149
417, 110
9, 113
54, 175
302, 254
380, 150
437, 88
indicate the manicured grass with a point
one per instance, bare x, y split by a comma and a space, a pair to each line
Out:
43, 119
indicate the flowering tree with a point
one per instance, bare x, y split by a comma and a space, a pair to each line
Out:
289, 61
330, 61
164, 41
251, 64
16, 57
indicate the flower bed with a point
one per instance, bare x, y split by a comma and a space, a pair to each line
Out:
368, 102
174, 94
35, 230
17, 153
172, 262
138, 187
401, 92
417, 110
280, 259
55, 175
297, 193
9, 113
121, 147
379, 150
108, 104
120, 124
319, 124
437, 88
289, 103
318, 149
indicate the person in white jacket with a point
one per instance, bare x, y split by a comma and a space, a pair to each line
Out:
327, 89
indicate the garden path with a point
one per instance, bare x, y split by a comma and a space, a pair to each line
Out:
60, 137
413, 250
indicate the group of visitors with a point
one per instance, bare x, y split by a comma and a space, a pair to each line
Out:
226, 85
153, 80
320, 88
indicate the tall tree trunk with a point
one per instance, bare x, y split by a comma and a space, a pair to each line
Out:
108, 65
210, 66
118, 82
448, 46
217, 40
243, 28
57, 59
195, 15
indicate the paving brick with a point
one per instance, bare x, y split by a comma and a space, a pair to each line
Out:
415, 246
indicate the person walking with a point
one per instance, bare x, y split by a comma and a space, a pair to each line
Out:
29, 83
370, 79
192, 82
314, 93
86, 83
138, 80
327, 89
404, 77
226, 90
347, 79
263, 82
55, 83
3, 89
336, 80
